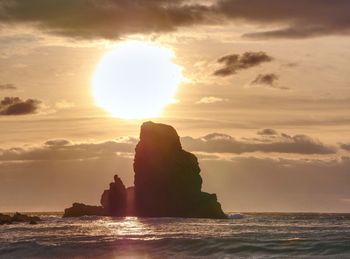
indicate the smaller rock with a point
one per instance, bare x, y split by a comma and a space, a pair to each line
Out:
17, 217
5, 219
114, 200
80, 209
33, 222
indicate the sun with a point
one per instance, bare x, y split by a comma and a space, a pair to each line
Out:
136, 80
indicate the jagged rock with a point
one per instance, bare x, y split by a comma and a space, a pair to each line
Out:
5, 219
17, 217
167, 182
80, 209
113, 203
167, 178
114, 200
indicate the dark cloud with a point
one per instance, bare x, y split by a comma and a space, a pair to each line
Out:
345, 147
7, 87
265, 79
109, 19
57, 142
267, 132
268, 80
295, 19
112, 18
233, 63
269, 141
17, 106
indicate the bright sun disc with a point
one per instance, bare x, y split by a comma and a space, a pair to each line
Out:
136, 80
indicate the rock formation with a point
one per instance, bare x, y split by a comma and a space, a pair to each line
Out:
18, 218
167, 182
113, 203
80, 209
167, 179
114, 200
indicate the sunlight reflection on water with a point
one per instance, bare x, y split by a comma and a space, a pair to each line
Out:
261, 235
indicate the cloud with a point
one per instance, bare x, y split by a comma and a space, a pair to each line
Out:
268, 80
7, 87
209, 100
110, 19
265, 79
267, 132
62, 149
345, 147
17, 106
294, 19
67, 171
267, 141
57, 142
234, 62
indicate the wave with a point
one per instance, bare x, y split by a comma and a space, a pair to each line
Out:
235, 216
180, 247
243, 235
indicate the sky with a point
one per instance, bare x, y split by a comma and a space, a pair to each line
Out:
264, 101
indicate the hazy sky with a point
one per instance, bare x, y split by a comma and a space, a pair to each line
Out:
264, 103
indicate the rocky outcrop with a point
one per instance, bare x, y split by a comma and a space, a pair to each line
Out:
167, 182
167, 178
18, 218
5, 219
114, 200
80, 209
113, 203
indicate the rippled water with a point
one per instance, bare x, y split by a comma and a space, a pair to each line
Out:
246, 235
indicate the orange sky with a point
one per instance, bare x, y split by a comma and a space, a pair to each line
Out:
281, 121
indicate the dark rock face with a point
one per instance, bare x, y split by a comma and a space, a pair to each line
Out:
167, 179
130, 201
167, 182
5, 219
80, 209
113, 203
114, 200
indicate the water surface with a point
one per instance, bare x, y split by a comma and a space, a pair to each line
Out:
243, 235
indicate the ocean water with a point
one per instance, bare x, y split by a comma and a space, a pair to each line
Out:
242, 236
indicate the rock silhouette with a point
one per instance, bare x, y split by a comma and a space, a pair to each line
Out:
113, 203
167, 178
80, 209
167, 182
18, 218
114, 200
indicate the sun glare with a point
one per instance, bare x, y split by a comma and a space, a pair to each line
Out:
136, 80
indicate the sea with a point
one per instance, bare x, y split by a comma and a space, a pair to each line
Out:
243, 235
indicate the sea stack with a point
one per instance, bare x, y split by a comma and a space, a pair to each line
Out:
113, 200
167, 178
167, 182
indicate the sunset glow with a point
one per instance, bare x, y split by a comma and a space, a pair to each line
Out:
136, 80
